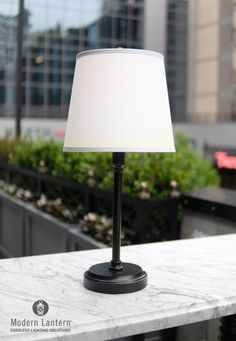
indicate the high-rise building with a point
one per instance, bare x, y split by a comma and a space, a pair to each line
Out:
176, 56
8, 56
165, 30
8, 25
154, 25
56, 32
212, 61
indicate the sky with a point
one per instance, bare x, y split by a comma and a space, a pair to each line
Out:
49, 13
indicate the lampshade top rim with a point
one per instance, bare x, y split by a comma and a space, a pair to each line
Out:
120, 50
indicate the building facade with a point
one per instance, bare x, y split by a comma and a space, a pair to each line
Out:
211, 61
55, 31
8, 27
177, 56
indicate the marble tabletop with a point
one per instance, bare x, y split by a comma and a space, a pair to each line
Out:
189, 281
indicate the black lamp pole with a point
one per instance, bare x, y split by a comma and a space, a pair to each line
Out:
118, 163
116, 277
20, 34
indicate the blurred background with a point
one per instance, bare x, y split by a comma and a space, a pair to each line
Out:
197, 38
52, 201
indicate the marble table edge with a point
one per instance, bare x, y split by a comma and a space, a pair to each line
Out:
134, 325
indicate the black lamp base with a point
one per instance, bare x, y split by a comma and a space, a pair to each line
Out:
101, 278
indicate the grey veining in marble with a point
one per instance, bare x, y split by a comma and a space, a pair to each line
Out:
189, 281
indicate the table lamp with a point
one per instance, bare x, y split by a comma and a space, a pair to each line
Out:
119, 103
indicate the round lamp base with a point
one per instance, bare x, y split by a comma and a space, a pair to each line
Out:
101, 278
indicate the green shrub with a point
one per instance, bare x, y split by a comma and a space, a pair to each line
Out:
76, 166
30, 154
7, 149
186, 167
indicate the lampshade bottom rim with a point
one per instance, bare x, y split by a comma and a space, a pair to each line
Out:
121, 150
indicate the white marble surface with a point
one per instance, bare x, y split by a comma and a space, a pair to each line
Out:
189, 281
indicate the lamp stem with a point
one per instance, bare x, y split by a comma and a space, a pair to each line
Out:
115, 277
118, 162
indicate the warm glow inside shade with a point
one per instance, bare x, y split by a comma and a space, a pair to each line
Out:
119, 103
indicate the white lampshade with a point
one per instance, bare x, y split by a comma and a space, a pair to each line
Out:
119, 103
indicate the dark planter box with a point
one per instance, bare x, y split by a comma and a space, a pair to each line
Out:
209, 211
143, 220
12, 214
27, 231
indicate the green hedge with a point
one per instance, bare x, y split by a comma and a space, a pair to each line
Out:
186, 167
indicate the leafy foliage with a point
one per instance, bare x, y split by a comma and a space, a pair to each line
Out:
7, 149
186, 167
29, 154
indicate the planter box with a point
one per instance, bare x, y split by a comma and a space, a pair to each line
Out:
11, 227
209, 212
27, 231
143, 220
